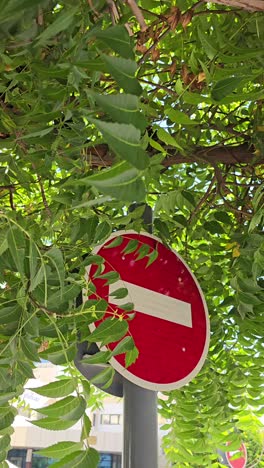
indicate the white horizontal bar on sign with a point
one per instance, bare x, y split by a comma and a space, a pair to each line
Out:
153, 303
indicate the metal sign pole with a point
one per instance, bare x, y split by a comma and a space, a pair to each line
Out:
140, 438
140, 446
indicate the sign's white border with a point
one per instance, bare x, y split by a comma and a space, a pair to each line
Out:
126, 373
242, 447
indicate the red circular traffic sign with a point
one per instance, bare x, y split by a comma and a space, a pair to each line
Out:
237, 462
171, 325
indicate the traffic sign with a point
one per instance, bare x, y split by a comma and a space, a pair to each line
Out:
170, 325
239, 462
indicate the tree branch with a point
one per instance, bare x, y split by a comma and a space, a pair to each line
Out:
138, 14
249, 5
101, 156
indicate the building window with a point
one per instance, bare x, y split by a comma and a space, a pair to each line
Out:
38, 461
18, 457
114, 419
110, 460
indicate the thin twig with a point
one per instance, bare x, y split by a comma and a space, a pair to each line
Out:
11, 198
203, 200
232, 208
206, 12
43, 194
44, 309
7, 187
199, 3
40, 17
95, 12
113, 11
44, 199
138, 14
158, 86
164, 34
152, 13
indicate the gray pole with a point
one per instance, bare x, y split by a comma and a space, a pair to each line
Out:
140, 446
140, 427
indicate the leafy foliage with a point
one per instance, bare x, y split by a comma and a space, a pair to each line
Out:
103, 108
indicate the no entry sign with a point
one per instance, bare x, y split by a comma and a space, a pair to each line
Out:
239, 462
171, 326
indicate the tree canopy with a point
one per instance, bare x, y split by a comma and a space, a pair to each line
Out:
107, 103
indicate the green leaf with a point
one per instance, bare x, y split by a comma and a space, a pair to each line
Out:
30, 349
53, 424
123, 70
142, 251
69, 408
111, 277
104, 377
4, 442
56, 258
81, 459
13, 8
162, 228
16, 245
101, 357
60, 450
258, 197
119, 293
37, 279
25, 369
131, 246
255, 221
152, 257
118, 39
207, 45
223, 217
57, 355
167, 138
63, 21
179, 117
10, 314
156, 146
109, 331
86, 387
248, 285
124, 139
114, 243
6, 396
131, 356
123, 108
93, 260
38, 133
33, 260
225, 87
3, 242
3, 456
87, 426
248, 298
103, 231
57, 389
91, 203
213, 227
6, 420
128, 307
188, 197
59, 300
126, 344
121, 181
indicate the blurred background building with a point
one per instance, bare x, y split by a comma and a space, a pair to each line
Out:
106, 434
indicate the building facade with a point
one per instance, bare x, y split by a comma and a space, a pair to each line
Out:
106, 433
